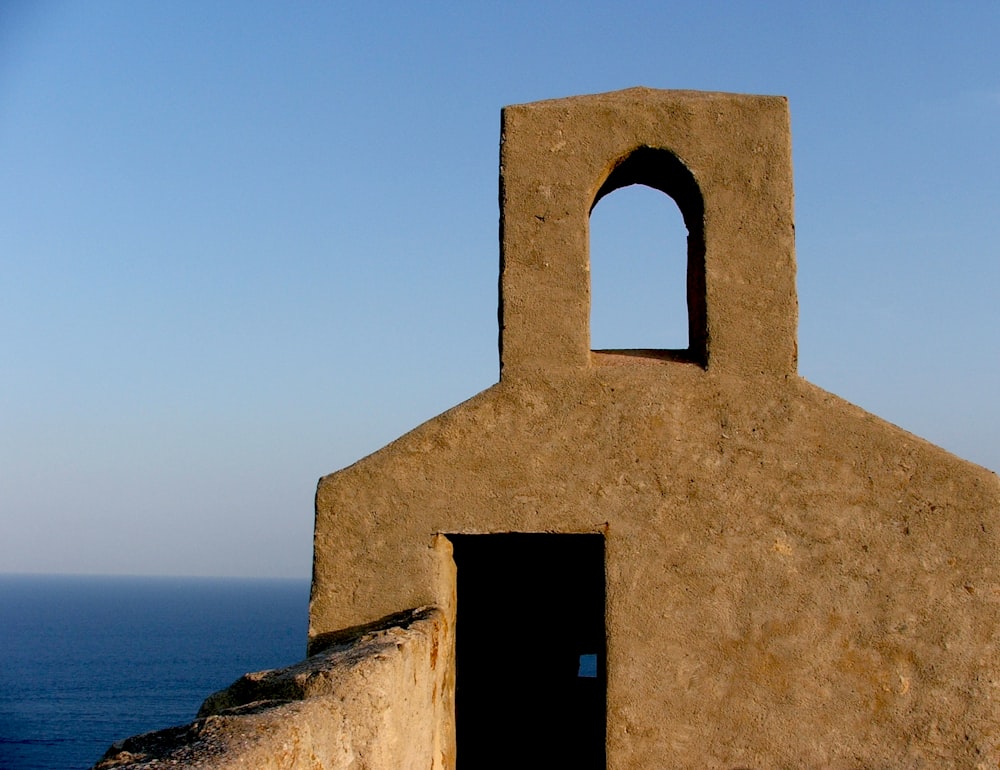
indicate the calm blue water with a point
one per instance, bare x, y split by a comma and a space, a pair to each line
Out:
85, 661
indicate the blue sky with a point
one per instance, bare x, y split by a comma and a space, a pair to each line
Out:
245, 244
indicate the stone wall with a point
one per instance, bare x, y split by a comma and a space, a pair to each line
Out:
377, 698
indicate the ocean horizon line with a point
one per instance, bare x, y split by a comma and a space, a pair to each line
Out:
152, 576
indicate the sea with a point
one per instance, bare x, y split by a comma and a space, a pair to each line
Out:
86, 661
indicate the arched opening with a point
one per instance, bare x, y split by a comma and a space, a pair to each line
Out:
647, 259
638, 272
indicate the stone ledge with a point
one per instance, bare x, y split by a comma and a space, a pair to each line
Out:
373, 697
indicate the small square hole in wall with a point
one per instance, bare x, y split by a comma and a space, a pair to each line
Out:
530, 685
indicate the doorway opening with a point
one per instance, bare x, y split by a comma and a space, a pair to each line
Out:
530, 686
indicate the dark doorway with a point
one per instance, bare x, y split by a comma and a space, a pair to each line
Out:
530, 678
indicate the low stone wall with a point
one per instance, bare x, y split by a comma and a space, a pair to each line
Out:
376, 697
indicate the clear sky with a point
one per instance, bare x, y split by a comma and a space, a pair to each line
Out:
245, 244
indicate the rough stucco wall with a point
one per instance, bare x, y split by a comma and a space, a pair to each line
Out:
380, 701
790, 580
802, 584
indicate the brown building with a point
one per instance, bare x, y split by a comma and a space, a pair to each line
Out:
746, 570
638, 558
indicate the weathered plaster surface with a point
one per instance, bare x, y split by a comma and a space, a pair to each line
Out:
375, 700
791, 581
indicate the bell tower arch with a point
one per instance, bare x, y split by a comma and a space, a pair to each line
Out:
724, 158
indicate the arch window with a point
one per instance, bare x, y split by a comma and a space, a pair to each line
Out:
648, 260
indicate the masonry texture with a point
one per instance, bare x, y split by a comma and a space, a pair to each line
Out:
790, 581
370, 699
